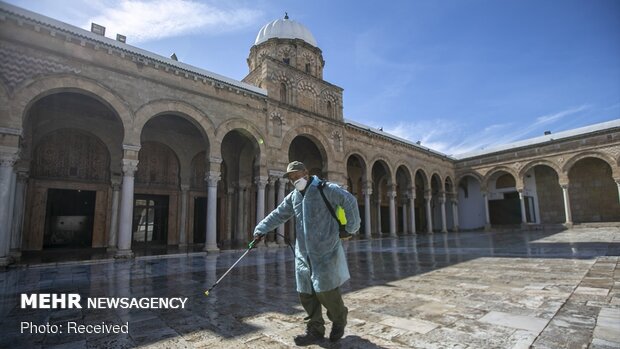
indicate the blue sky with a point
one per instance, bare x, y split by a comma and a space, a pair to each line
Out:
457, 75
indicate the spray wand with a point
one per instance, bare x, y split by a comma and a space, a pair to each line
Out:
250, 246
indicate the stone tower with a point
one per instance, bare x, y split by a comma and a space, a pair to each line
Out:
286, 61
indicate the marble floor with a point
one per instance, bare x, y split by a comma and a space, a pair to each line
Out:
509, 289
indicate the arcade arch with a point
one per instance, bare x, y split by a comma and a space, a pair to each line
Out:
72, 147
241, 182
593, 191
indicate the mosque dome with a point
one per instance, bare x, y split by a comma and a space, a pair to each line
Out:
285, 29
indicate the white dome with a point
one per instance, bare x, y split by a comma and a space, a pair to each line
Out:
285, 29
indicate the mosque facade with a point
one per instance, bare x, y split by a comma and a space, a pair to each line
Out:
107, 146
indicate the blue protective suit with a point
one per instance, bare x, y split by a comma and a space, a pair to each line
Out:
320, 262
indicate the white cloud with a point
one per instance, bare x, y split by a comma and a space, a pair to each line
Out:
431, 134
546, 119
452, 137
144, 20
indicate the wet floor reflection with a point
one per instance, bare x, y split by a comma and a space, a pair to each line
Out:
261, 283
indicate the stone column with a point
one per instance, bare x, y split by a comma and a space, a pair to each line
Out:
367, 221
18, 212
130, 167
7, 160
212, 179
429, 215
404, 215
378, 210
113, 237
455, 214
240, 214
442, 202
412, 210
391, 200
261, 183
183, 225
567, 211
618, 184
271, 198
522, 203
230, 223
281, 228
487, 221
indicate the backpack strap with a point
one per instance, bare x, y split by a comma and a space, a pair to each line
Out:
344, 235
329, 206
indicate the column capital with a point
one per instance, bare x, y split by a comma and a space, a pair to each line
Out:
116, 182
130, 167
8, 159
261, 181
272, 180
391, 194
564, 186
212, 178
367, 191
185, 187
454, 201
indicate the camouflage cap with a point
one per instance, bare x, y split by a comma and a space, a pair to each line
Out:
294, 167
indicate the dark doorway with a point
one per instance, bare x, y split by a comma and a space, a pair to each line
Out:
507, 210
200, 220
69, 218
150, 220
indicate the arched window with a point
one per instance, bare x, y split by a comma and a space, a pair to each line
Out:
308, 68
330, 109
283, 98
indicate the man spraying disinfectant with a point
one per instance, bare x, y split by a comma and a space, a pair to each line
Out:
320, 262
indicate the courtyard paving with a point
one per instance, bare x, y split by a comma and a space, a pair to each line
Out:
509, 289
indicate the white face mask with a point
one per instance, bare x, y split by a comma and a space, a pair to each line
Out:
301, 183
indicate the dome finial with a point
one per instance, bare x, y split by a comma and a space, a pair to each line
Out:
285, 15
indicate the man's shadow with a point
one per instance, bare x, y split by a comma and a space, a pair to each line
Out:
350, 342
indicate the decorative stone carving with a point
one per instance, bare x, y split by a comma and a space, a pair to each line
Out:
286, 52
212, 178
276, 123
130, 167
17, 66
337, 140
158, 166
199, 167
72, 154
7, 159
